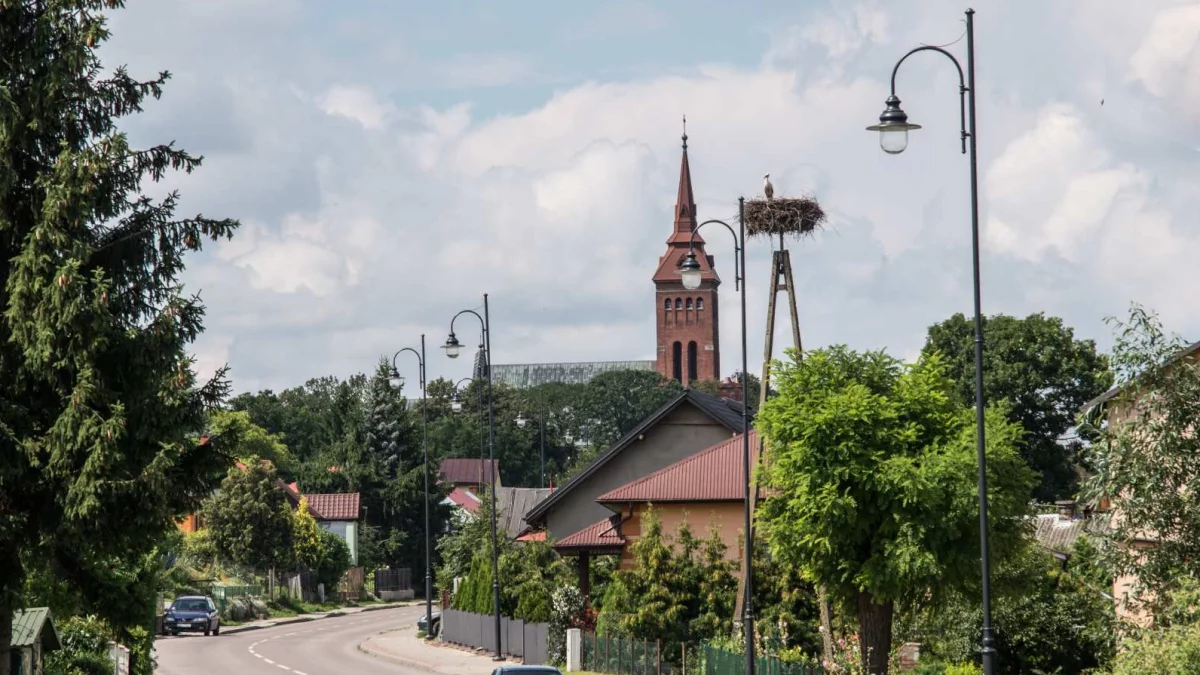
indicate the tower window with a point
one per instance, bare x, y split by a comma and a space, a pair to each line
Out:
667, 305
678, 304
699, 304
677, 360
691, 362
689, 304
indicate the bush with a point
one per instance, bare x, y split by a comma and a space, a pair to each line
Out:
335, 560
1171, 651
84, 648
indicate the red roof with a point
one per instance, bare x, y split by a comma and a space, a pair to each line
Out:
334, 507
711, 475
533, 536
464, 499
601, 534
463, 471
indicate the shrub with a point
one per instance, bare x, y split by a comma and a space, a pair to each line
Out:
335, 560
84, 648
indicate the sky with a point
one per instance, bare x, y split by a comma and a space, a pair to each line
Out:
391, 161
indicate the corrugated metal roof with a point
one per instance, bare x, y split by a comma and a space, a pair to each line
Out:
334, 506
513, 503
522, 375
1059, 534
467, 471
712, 475
465, 499
599, 535
30, 624
724, 411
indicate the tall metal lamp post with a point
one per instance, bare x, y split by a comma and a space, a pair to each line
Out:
399, 381
522, 421
456, 406
690, 272
453, 348
893, 131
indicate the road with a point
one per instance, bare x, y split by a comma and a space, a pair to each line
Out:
324, 647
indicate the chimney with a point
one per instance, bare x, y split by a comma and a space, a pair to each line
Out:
1066, 509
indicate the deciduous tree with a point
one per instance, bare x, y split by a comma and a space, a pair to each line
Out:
251, 521
874, 465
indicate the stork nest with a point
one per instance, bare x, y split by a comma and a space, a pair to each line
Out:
781, 216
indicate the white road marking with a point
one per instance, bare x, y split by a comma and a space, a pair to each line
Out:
299, 673
282, 666
257, 655
269, 661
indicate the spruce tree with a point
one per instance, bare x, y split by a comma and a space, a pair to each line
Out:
99, 408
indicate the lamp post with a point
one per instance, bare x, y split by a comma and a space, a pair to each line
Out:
522, 421
893, 131
456, 406
690, 272
398, 380
453, 348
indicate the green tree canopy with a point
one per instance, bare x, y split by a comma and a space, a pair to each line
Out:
100, 407
251, 521
1045, 374
249, 442
875, 467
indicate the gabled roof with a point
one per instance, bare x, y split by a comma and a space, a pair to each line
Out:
335, 506
599, 535
711, 475
1112, 393
513, 503
30, 624
464, 499
724, 411
467, 471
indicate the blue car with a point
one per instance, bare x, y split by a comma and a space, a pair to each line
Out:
192, 613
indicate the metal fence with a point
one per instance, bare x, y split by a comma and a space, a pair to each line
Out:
526, 641
393, 580
223, 594
625, 656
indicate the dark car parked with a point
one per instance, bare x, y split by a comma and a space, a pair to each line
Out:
526, 670
422, 624
193, 613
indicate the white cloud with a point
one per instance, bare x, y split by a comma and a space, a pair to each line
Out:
355, 103
1168, 60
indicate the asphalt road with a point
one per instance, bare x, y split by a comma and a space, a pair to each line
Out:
324, 647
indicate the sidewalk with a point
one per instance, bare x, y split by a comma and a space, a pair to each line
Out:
405, 648
300, 618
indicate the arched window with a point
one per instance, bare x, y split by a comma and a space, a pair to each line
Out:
699, 304
689, 304
677, 360
691, 362
667, 305
678, 304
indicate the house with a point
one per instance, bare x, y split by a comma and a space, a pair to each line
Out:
469, 473
33, 634
1112, 408
705, 490
336, 513
582, 525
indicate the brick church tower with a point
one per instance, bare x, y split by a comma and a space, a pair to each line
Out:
688, 337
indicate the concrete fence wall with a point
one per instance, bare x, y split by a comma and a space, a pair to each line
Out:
526, 641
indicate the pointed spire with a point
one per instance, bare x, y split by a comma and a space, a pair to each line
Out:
685, 201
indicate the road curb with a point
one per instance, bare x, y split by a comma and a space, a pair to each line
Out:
303, 618
399, 660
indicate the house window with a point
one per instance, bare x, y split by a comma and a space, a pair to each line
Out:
691, 362
677, 360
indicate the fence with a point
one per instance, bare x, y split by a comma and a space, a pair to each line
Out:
393, 580
223, 594
624, 656
526, 641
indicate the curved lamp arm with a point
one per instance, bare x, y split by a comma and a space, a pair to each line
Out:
737, 247
962, 86
420, 364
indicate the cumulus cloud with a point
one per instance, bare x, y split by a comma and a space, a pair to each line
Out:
373, 214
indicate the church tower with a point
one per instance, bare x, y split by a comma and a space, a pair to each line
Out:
688, 336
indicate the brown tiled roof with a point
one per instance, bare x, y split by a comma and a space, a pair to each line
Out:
461, 470
334, 507
711, 475
600, 535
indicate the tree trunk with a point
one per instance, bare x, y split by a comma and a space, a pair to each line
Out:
826, 624
6, 621
875, 633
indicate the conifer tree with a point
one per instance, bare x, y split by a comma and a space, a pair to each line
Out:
99, 408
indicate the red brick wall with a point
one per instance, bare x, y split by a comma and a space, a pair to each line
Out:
687, 326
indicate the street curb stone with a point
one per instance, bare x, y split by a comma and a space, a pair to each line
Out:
303, 618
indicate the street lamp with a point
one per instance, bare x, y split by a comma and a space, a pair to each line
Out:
456, 405
453, 348
893, 131
399, 381
690, 273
